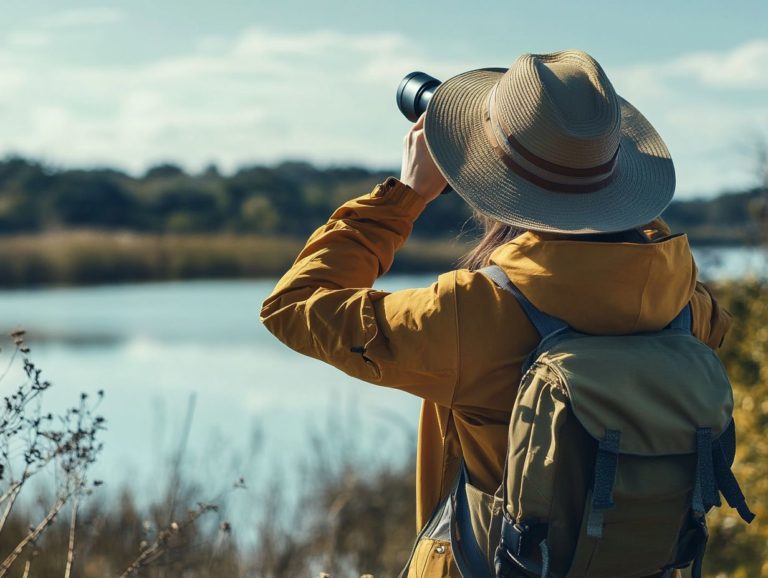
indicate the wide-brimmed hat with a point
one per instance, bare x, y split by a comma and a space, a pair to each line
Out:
548, 145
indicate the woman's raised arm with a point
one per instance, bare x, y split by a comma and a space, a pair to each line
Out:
324, 306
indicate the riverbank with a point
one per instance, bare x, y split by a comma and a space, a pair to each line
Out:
74, 258
70, 258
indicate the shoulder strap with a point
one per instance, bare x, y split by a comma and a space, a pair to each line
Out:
684, 320
544, 324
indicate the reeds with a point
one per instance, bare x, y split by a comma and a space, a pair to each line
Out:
98, 257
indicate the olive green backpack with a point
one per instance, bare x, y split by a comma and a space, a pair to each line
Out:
618, 446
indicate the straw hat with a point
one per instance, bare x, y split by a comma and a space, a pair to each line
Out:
548, 145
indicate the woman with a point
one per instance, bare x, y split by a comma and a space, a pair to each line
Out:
570, 180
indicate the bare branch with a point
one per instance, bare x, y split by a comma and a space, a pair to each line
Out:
33, 534
71, 544
160, 546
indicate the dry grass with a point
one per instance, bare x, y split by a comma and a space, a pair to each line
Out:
96, 257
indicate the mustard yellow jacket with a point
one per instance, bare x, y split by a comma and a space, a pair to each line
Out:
459, 344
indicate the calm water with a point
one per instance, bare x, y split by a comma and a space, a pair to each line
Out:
257, 405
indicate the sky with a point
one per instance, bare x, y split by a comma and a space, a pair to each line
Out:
133, 83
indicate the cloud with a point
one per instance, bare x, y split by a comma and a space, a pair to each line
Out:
263, 96
44, 32
260, 96
743, 68
28, 39
79, 18
709, 108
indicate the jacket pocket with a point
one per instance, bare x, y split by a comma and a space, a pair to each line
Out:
485, 517
432, 559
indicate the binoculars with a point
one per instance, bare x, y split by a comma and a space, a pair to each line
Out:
414, 93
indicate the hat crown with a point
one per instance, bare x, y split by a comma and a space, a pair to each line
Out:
561, 107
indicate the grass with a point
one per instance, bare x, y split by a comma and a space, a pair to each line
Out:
91, 257
96, 257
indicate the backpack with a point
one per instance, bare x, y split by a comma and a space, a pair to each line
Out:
618, 447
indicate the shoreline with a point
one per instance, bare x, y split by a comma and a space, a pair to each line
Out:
91, 258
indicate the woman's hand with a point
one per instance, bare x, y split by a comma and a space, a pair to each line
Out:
419, 170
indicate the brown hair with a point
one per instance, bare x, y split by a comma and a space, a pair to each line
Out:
495, 234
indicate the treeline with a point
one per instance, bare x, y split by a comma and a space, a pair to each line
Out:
730, 219
286, 200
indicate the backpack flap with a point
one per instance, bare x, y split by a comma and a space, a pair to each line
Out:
655, 389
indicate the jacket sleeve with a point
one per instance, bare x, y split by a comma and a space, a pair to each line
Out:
324, 306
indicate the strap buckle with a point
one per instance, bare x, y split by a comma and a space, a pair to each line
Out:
517, 547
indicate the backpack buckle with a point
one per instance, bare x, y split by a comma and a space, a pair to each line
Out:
521, 538
517, 547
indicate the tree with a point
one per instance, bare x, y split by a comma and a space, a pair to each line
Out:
82, 198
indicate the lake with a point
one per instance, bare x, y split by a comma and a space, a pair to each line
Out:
158, 350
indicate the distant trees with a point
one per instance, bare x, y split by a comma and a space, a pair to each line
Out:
287, 199
725, 210
88, 199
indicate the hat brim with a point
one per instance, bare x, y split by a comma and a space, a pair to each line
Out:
639, 191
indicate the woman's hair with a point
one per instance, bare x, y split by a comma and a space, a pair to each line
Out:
495, 234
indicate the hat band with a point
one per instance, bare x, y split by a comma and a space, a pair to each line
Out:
539, 171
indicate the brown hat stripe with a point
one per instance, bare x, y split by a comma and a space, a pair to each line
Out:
603, 169
535, 179
520, 149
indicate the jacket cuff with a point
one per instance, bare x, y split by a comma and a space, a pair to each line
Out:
404, 199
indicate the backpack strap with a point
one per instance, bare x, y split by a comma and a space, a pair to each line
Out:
705, 495
684, 320
545, 324
606, 463
723, 451
713, 477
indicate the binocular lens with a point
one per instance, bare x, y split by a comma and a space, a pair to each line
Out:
414, 93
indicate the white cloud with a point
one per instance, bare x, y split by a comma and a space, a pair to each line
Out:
79, 18
12, 79
745, 67
28, 39
708, 107
260, 96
